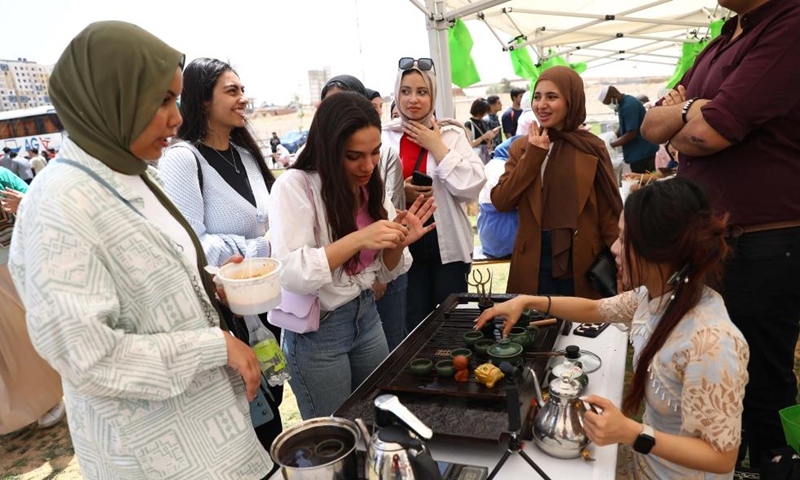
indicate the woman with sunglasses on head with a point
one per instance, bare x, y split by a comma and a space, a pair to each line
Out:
220, 182
561, 181
690, 361
112, 278
438, 162
336, 234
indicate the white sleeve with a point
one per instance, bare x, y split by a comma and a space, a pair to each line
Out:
291, 214
461, 170
178, 172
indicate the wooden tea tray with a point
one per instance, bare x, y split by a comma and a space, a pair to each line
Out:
456, 410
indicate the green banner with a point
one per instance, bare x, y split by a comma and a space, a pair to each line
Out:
462, 68
522, 63
691, 50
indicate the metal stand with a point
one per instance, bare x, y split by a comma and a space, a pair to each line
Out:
514, 424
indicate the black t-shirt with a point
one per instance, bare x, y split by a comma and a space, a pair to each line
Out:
223, 162
274, 142
478, 128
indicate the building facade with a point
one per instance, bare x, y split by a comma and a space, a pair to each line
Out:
23, 84
317, 80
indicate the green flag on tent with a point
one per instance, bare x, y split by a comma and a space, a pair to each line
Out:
690, 52
522, 63
462, 68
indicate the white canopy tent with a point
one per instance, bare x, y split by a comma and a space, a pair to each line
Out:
597, 32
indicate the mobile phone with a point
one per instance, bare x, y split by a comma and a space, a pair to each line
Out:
421, 180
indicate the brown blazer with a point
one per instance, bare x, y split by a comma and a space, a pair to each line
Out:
521, 187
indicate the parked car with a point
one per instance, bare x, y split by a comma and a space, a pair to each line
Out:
294, 140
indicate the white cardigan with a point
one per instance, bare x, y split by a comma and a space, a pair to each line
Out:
457, 180
225, 222
305, 266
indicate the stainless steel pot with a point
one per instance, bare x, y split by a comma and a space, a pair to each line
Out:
318, 449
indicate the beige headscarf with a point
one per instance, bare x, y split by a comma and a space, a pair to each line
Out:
430, 79
107, 86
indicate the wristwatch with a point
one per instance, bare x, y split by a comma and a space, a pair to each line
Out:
645, 441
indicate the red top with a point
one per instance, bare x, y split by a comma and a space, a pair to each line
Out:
409, 153
752, 85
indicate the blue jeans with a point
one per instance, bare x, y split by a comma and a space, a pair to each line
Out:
392, 309
327, 365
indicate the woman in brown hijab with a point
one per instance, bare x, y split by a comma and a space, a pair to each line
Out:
561, 181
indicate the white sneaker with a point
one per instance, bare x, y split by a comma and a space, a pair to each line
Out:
53, 416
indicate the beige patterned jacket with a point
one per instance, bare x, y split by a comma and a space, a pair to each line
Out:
114, 306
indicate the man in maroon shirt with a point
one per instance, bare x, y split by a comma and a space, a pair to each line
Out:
735, 118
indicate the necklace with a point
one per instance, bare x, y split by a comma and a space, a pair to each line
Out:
229, 162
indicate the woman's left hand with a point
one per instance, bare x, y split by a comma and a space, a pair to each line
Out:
427, 138
611, 426
220, 291
9, 200
414, 219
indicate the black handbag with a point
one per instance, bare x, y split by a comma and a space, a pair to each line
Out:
602, 274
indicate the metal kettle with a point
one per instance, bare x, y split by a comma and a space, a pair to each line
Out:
558, 426
396, 450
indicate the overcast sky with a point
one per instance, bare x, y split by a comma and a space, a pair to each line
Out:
271, 43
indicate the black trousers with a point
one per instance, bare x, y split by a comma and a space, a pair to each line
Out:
430, 281
761, 288
645, 165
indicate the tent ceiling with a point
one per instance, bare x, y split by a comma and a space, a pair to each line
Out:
645, 30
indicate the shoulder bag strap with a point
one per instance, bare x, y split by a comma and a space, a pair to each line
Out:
101, 181
422, 154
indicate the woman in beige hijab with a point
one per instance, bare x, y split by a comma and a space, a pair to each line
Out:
111, 276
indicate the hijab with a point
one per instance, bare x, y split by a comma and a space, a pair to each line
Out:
429, 76
560, 194
106, 87
351, 84
105, 98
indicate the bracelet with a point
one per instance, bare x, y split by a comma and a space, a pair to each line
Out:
549, 303
686, 108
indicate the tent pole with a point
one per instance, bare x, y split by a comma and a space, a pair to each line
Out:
482, 19
421, 8
438, 41
618, 18
469, 9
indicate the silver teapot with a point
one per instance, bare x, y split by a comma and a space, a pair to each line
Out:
397, 449
558, 425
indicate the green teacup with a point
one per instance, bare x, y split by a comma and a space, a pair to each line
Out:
444, 368
471, 337
420, 366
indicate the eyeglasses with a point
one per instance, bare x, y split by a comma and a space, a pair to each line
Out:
407, 63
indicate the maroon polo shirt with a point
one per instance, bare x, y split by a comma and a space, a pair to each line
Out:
754, 87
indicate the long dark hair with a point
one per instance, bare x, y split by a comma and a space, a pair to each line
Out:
199, 79
672, 223
337, 119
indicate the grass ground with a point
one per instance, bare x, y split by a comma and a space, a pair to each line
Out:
31, 454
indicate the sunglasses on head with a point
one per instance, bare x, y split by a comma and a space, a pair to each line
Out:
337, 84
408, 63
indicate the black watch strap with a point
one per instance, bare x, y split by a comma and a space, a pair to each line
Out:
645, 441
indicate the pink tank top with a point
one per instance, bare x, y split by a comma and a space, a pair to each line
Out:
365, 257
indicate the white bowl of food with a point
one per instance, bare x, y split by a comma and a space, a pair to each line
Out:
252, 286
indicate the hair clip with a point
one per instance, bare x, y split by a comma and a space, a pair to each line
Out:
677, 276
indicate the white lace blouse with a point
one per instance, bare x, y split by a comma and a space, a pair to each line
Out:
696, 380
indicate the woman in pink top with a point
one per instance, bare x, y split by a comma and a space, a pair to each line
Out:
335, 186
